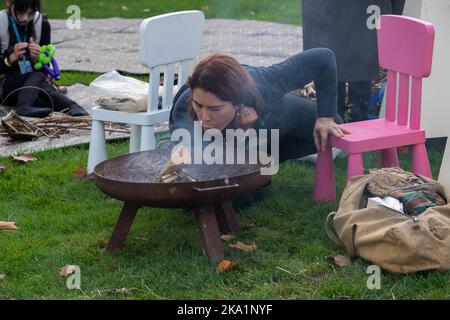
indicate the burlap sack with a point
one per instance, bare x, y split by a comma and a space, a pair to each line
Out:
385, 237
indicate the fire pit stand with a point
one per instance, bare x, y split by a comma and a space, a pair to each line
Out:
212, 221
130, 178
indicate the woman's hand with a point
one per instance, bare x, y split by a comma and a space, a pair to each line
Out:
323, 127
19, 51
34, 50
247, 117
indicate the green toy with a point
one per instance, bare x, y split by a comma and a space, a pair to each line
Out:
45, 58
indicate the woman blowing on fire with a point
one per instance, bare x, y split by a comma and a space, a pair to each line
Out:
222, 94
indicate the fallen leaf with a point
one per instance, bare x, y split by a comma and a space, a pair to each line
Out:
403, 151
123, 291
146, 10
249, 225
80, 172
24, 158
344, 298
225, 265
373, 157
8, 226
227, 237
244, 247
67, 270
342, 261
124, 8
2, 277
2, 167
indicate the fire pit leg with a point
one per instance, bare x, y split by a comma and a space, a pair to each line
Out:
123, 226
226, 218
209, 232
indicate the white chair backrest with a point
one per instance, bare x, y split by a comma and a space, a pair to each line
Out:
167, 42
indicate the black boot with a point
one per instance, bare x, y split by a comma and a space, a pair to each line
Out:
76, 110
34, 112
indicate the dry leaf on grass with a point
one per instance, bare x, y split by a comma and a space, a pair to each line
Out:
80, 172
123, 291
340, 260
2, 277
227, 237
2, 167
249, 225
225, 265
344, 298
8, 226
67, 270
403, 151
24, 158
244, 247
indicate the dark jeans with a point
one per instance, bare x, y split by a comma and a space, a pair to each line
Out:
355, 101
35, 98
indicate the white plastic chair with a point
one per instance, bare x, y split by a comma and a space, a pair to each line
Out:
167, 42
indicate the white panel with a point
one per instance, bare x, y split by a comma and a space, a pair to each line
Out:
153, 90
185, 70
171, 37
169, 75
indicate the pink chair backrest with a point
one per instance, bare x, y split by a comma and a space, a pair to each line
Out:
405, 47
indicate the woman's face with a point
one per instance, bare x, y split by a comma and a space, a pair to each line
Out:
23, 17
212, 112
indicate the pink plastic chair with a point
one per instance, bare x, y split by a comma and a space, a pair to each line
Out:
405, 47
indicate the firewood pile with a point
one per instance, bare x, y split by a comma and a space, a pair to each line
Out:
17, 128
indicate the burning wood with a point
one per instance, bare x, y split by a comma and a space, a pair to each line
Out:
172, 169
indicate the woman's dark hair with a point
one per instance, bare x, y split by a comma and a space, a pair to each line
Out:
22, 6
223, 76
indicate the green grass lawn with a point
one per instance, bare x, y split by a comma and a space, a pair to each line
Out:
284, 11
67, 220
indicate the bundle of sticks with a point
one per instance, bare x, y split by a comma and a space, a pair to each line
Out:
20, 129
63, 122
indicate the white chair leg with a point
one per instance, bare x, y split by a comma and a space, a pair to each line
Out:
135, 138
97, 146
148, 138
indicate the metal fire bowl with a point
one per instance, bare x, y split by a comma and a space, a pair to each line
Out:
130, 178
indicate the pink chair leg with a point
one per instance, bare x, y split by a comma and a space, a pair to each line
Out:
419, 158
324, 184
355, 165
389, 158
